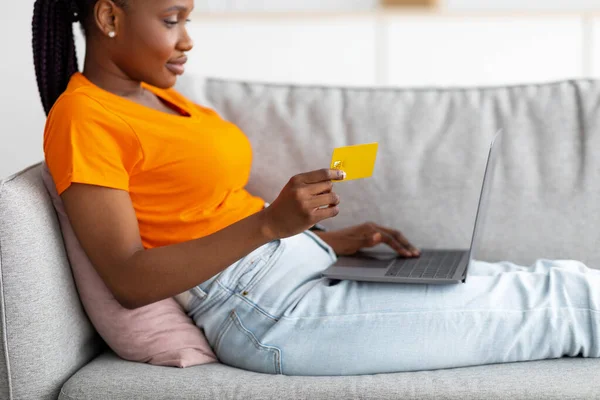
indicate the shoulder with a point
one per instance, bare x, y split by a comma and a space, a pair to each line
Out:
79, 109
79, 115
77, 105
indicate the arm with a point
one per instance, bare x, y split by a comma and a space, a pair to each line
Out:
105, 223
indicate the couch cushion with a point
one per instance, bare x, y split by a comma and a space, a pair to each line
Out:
433, 147
45, 334
108, 377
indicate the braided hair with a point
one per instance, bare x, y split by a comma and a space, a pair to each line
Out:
54, 53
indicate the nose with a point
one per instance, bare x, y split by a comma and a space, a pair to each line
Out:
185, 42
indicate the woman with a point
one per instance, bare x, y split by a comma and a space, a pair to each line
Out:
153, 185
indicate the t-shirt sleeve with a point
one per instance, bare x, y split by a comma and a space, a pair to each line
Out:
86, 143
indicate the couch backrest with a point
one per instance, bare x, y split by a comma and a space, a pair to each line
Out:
545, 201
45, 336
433, 146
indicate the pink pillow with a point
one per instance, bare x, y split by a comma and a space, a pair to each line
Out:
159, 333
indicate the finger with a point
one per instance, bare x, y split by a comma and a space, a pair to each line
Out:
328, 199
372, 240
394, 244
320, 188
401, 239
324, 213
322, 175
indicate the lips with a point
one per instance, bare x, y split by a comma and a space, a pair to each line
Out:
177, 66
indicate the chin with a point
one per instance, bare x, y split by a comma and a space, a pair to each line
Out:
166, 81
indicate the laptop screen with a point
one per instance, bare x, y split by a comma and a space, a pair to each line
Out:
488, 179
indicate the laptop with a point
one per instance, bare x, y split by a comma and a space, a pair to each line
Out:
439, 266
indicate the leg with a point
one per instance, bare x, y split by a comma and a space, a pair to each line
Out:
481, 268
297, 323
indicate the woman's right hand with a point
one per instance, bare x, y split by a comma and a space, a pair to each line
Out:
307, 199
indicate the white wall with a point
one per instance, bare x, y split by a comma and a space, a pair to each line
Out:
483, 50
287, 49
21, 114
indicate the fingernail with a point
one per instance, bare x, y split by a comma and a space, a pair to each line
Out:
342, 175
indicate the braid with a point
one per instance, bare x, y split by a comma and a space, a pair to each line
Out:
54, 53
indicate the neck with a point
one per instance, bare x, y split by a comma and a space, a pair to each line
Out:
106, 75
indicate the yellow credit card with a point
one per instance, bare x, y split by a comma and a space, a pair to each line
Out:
356, 161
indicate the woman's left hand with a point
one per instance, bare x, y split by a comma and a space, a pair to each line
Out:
350, 240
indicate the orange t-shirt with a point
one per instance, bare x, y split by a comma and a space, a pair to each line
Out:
185, 174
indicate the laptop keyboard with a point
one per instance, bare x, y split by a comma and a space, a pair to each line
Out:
431, 264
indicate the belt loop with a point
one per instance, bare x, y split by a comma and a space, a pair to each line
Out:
201, 291
201, 294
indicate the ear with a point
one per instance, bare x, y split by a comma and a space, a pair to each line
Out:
107, 17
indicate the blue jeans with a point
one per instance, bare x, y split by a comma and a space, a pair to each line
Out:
273, 312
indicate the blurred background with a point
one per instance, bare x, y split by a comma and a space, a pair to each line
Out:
339, 42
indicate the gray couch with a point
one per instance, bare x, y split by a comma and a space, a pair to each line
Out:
433, 145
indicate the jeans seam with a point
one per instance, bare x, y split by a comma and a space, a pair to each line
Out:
272, 259
276, 351
321, 243
439, 311
256, 307
228, 323
236, 277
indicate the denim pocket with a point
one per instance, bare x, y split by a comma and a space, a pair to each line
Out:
238, 347
258, 265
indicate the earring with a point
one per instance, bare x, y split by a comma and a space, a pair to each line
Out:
112, 34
